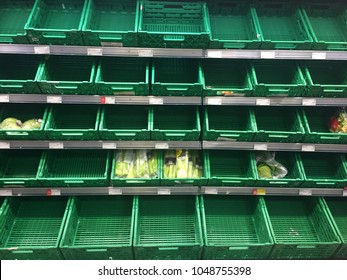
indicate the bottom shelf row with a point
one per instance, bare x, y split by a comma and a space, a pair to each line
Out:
181, 227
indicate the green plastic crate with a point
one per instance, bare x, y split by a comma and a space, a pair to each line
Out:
301, 228
67, 75
278, 124
125, 123
19, 73
231, 168
73, 122
32, 228
282, 26
20, 168
337, 210
327, 24
24, 113
173, 24
167, 228
174, 76
233, 25
232, 123
324, 170
122, 76
56, 22
294, 177
13, 18
235, 228
99, 228
75, 168
227, 78
316, 124
326, 78
176, 123
111, 23
277, 78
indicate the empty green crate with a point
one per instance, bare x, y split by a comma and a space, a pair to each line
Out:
294, 177
316, 123
337, 210
324, 170
56, 22
32, 228
19, 73
326, 78
227, 78
167, 228
282, 26
67, 75
122, 76
228, 123
174, 76
99, 228
125, 123
23, 113
327, 24
233, 25
173, 24
75, 168
111, 23
231, 168
301, 228
13, 18
20, 168
73, 122
277, 78
278, 124
176, 123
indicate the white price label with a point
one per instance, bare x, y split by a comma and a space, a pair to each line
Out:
309, 102
344, 193
4, 145
156, 101
162, 146
146, 53
42, 50
5, 192
214, 101
94, 51
115, 191
211, 191
110, 146
55, 192
305, 192
164, 191
56, 145
263, 102
215, 54
267, 55
4, 98
110, 100
308, 148
260, 147
54, 99
319, 55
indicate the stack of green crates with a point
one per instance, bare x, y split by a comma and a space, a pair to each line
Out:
99, 228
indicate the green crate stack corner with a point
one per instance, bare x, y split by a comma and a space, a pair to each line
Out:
227, 78
225, 123
111, 23
23, 113
280, 124
99, 228
125, 123
19, 73
233, 25
56, 22
167, 228
75, 168
302, 229
67, 75
73, 122
173, 24
32, 228
122, 76
235, 228
20, 168
327, 25
176, 77
316, 124
231, 168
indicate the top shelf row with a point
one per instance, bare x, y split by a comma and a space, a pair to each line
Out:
223, 24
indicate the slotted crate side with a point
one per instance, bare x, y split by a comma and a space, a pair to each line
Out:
302, 228
168, 228
32, 228
122, 76
56, 22
173, 24
235, 228
99, 228
110, 23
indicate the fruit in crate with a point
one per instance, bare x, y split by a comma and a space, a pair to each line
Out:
338, 122
11, 124
264, 171
32, 124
